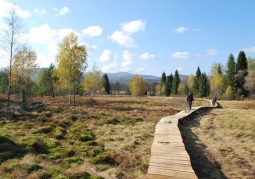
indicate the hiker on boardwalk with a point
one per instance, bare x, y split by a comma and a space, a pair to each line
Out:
190, 99
214, 100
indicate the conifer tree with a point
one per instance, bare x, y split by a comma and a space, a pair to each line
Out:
176, 82
230, 76
105, 84
163, 83
169, 81
241, 62
48, 81
203, 87
196, 82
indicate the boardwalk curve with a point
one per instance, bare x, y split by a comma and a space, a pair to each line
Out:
169, 158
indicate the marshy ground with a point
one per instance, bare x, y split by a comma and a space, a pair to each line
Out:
110, 137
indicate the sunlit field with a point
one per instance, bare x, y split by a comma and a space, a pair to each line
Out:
111, 136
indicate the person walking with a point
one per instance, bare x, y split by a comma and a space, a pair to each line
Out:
190, 99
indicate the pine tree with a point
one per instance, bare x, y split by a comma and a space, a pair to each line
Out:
241, 62
230, 75
105, 84
163, 83
169, 81
176, 82
48, 81
203, 88
196, 82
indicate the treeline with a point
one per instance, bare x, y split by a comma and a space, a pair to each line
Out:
234, 80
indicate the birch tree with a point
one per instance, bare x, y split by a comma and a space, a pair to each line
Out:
10, 41
71, 62
92, 81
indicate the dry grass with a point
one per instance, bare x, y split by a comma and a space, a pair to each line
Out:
104, 136
110, 137
221, 141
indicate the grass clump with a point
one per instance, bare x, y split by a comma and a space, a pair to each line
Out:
9, 149
33, 167
103, 158
79, 174
59, 133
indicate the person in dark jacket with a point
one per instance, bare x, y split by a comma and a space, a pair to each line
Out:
190, 99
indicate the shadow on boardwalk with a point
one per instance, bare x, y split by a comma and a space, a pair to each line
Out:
204, 168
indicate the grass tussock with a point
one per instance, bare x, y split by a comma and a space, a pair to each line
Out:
101, 137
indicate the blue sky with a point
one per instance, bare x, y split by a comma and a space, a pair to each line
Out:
141, 36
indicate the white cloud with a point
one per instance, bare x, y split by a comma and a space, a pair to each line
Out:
180, 69
5, 6
107, 56
251, 49
140, 70
92, 31
180, 29
211, 52
127, 63
128, 58
89, 48
134, 26
122, 39
44, 61
147, 56
62, 11
40, 11
181, 55
45, 35
125, 69
111, 68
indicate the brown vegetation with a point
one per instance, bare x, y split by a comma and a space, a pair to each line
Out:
110, 137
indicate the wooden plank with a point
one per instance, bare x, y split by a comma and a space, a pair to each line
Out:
173, 173
174, 167
169, 161
169, 157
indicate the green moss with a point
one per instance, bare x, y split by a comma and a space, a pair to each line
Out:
9, 149
103, 158
33, 168
39, 146
43, 130
52, 144
59, 133
80, 175
96, 177
76, 160
85, 137
69, 153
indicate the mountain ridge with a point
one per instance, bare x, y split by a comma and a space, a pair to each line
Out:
124, 77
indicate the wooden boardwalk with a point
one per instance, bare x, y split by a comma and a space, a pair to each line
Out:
169, 158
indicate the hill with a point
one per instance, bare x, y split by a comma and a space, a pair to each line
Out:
123, 77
